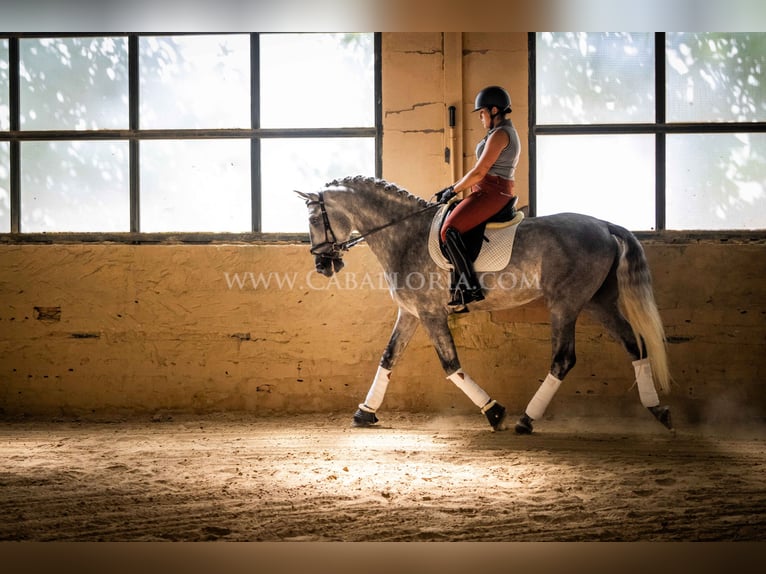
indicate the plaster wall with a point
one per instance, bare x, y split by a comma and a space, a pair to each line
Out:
109, 329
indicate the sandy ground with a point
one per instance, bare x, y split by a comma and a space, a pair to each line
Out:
415, 478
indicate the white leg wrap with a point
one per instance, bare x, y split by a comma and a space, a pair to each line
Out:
538, 404
646, 391
377, 391
465, 383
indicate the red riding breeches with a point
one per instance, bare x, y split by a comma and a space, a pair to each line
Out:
487, 198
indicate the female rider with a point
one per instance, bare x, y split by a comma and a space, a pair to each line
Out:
491, 182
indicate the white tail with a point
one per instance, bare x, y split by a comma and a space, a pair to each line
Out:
637, 304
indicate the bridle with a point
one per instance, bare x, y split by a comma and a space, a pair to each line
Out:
334, 253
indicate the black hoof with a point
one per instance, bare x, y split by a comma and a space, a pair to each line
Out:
524, 425
662, 414
363, 419
496, 417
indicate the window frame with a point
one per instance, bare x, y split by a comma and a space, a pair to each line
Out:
660, 128
134, 135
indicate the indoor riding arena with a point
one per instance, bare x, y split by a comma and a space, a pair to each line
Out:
173, 367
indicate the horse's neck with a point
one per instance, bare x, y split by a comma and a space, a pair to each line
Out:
370, 211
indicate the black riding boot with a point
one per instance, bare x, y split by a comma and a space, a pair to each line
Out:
465, 285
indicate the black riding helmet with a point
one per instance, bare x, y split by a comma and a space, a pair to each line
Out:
493, 96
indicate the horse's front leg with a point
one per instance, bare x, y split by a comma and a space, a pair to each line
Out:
438, 330
404, 328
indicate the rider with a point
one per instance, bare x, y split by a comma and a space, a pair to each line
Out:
491, 182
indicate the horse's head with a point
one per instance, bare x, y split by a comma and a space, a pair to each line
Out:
326, 247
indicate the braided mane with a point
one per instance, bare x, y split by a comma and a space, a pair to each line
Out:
370, 184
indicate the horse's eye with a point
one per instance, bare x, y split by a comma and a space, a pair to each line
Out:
314, 220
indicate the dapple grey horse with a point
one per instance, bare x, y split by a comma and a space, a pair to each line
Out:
580, 264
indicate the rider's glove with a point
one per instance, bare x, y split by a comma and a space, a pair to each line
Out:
445, 194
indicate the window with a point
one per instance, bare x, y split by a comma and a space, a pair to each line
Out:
5, 187
74, 186
319, 82
651, 131
181, 133
5, 148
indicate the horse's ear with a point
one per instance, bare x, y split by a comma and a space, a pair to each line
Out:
307, 197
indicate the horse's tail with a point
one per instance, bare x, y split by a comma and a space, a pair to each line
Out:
637, 304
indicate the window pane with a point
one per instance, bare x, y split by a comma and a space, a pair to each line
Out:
195, 81
716, 77
594, 78
285, 167
607, 176
75, 186
74, 83
317, 80
5, 111
716, 181
195, 185
5, 187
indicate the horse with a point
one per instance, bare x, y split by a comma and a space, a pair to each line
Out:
580, 263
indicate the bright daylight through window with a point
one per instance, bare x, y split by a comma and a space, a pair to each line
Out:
652, 130
184, 133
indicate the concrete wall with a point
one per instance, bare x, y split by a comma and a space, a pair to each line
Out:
108, 329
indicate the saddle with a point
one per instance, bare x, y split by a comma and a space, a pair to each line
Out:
474, 238
491, 243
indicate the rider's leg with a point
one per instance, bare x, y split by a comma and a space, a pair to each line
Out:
466, 288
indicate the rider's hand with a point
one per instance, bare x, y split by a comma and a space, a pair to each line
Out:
445, 194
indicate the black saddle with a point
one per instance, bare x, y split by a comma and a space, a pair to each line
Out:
474, 238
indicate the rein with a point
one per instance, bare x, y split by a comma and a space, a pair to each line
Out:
329, 234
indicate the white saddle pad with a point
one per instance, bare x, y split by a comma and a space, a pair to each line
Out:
495, 253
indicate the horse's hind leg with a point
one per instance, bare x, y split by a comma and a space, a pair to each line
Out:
404, 328
564, 358
438, 330
604, 308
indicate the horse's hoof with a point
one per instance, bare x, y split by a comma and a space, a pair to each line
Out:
662, 414
524, 425
363, 419
496, 417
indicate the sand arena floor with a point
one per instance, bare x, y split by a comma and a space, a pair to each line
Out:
417, 477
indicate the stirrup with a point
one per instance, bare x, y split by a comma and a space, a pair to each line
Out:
461, 298
459, 308
457, 303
